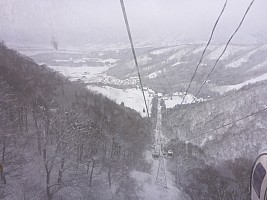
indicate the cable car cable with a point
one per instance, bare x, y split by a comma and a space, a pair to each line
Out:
226, 46
133, 51
204, 51
215, 129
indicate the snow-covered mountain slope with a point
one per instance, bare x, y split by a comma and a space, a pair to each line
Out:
163, 69
169, 69
223, 89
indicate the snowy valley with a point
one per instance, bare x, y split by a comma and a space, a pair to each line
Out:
165, 72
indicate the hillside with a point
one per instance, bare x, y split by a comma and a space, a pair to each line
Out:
61, 141
168, 69
217, 164
212, 165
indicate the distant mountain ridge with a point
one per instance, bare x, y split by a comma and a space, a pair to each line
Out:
169, 69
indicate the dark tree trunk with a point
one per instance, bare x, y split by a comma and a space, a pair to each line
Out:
60, 173
37, 132
91, 173
109, 177
26, 118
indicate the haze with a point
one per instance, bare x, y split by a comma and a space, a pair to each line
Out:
78, 23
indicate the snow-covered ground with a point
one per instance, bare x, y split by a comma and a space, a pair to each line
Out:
166, 49
231, 50
150, 189
132, 97
110, 61
178, 63
201, 49
82, 72
142, 60
177, 98
159, 183
92, 75
160, 51
223, 89
178, 56
260, 65
154, 74
243, 59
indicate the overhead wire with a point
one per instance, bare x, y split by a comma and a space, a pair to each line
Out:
232, 122
226, 46
201, 58
216, 99
204, 51
216, 62
134, 54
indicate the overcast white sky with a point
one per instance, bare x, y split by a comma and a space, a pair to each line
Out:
79, 22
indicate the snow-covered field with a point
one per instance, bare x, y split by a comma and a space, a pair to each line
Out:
76, 73
111, 61
131, 97
92, 75
177, 98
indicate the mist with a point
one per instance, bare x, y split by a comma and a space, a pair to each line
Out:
79, 23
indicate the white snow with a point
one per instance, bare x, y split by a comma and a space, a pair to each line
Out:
142, 60
239, 61
84, 60
61, 60
177, 98
77, 72
260, 65
160, 51
223, 89
150, 67
92, 75
150, 190
165, 50
178, 56
154, 74
231, 50
110, 60
206, 139
178, 63
201, 49
159, 183
132, 98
